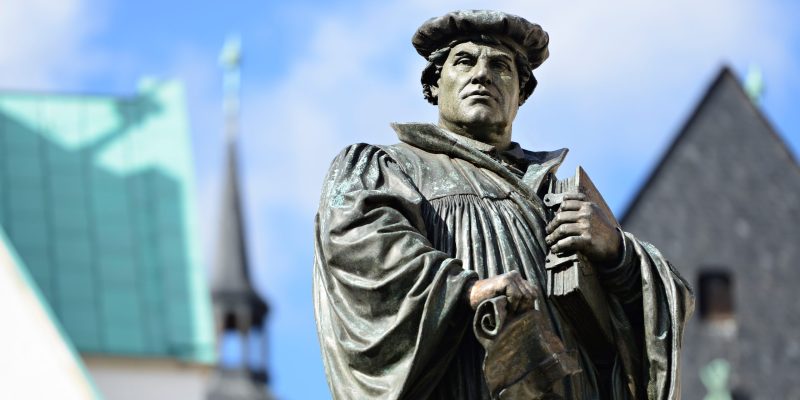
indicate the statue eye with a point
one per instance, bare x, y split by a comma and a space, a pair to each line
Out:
464, 61
500, 65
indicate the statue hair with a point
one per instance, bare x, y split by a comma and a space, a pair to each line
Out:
432, 71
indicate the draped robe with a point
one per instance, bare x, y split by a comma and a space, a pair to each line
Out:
403, 229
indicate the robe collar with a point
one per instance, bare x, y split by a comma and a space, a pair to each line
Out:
530, 167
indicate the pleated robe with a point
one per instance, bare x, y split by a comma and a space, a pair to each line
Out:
403, 229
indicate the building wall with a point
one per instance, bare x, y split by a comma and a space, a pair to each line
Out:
152, 379
32, 343
727, 198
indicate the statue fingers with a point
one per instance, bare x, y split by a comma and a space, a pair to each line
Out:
563, 217
566, 230
515, 297
527, 289
529, 299
512, 303
571, 205
570, 244
527, 303
574, 196
514, 275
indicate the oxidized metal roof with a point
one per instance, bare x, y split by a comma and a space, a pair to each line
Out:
97, 196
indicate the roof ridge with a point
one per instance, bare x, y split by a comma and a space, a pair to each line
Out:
725, 72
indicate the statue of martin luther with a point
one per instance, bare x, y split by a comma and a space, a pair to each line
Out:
412, 238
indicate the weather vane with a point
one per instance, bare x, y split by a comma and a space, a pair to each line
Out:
231, 60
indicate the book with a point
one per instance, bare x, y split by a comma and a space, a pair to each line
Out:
572, 281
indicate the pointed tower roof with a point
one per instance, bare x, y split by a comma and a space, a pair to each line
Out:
724, 130
237, 306
231, 285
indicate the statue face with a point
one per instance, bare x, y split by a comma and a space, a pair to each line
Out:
478, 91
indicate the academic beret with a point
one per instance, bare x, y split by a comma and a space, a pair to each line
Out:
437, 32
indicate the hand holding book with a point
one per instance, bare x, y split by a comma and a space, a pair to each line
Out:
583, 236
581, 226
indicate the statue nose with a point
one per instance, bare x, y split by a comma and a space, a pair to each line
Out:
481, 74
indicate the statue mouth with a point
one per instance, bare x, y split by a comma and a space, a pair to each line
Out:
479, 94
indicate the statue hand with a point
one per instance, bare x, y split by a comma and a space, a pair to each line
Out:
580, 226
520, 293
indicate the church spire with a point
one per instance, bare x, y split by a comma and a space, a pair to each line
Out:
238, 308
231, 284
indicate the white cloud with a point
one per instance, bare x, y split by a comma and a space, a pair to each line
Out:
621, 78
198, 69
337, 94
620, 73
43, 42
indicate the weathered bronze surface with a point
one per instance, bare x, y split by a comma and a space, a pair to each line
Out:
430, 255
524, 358
572, 279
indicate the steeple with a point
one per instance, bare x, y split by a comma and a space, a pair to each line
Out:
238, 309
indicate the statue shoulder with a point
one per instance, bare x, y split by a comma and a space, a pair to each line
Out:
362, 164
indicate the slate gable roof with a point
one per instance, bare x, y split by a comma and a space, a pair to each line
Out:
725, 77
725, 199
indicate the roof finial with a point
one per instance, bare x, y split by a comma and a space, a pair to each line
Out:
754, 83
231, 60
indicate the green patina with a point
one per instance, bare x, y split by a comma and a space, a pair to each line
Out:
97, 197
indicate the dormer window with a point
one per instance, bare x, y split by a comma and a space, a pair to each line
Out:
715, 295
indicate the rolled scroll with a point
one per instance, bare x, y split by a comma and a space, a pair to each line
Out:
524, 357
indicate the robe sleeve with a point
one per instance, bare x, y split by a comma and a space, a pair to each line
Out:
625, 279
390, 308
650, 342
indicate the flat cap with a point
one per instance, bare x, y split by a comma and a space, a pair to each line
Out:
437, 32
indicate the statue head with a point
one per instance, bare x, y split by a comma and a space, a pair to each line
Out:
479, 69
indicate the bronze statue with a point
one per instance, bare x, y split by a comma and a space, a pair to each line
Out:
413, 238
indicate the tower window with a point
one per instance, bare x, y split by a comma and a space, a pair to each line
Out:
715, 295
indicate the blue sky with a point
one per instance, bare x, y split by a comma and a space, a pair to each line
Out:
621, 79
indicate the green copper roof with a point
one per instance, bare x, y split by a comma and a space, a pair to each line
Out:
97, 196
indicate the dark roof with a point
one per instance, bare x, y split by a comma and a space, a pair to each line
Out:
725, 199
725, 77
231, 284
